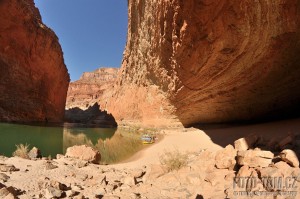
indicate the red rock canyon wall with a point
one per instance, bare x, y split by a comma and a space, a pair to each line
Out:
91, 88
33, 77
209, 61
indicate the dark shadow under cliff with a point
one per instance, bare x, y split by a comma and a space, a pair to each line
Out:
272, 134
224, 134
92, 116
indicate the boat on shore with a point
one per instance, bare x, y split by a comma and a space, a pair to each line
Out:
148, 139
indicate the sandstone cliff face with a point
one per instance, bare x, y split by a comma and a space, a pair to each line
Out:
209, 61
90, 88
33, 77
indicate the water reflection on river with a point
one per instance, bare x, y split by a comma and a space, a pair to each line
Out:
114, 144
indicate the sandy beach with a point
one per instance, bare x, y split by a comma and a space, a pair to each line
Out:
211, 138
183, 140
37, 178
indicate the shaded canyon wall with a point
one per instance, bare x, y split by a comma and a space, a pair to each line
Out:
208, 61
86, 94
33, 77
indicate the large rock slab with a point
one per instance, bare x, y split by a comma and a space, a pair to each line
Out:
247, 175
290, 157
245, 143
225, 158
255, 158
84, 152
34, 79
208, 61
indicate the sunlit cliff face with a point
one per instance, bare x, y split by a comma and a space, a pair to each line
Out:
209, 61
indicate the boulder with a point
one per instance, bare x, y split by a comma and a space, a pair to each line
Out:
296, 174
205, 161
34, 153
82, 177
130, 181
255, 158
14, 191
194, 179
171, 178
3, 158
10, 196
244, 144
4, 192
59, 156
225, 158
8, 168
290, 157
56, 185
51, 192
81, 164
138, 173
284, 168
84, 152
268, 176
4, 177
230, 176
248, 176
49, 165
71, 193
216, 177
245, 171
77, 187
154, 172
9, 192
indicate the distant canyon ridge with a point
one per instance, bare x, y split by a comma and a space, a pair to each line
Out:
194, 62
92, 87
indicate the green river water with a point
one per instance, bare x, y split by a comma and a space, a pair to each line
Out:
114, 144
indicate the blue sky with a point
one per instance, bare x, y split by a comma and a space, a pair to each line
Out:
92, 33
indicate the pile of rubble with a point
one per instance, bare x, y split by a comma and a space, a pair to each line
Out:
251, 167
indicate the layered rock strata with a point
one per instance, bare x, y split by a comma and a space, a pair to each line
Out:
209, 61
33, 77
89, 89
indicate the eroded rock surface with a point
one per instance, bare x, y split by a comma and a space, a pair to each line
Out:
34, 79
84, 152
89, 89
209, 61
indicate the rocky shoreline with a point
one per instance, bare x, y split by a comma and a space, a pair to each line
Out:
251, 166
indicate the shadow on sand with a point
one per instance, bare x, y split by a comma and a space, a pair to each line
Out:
224, 134
271, 134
